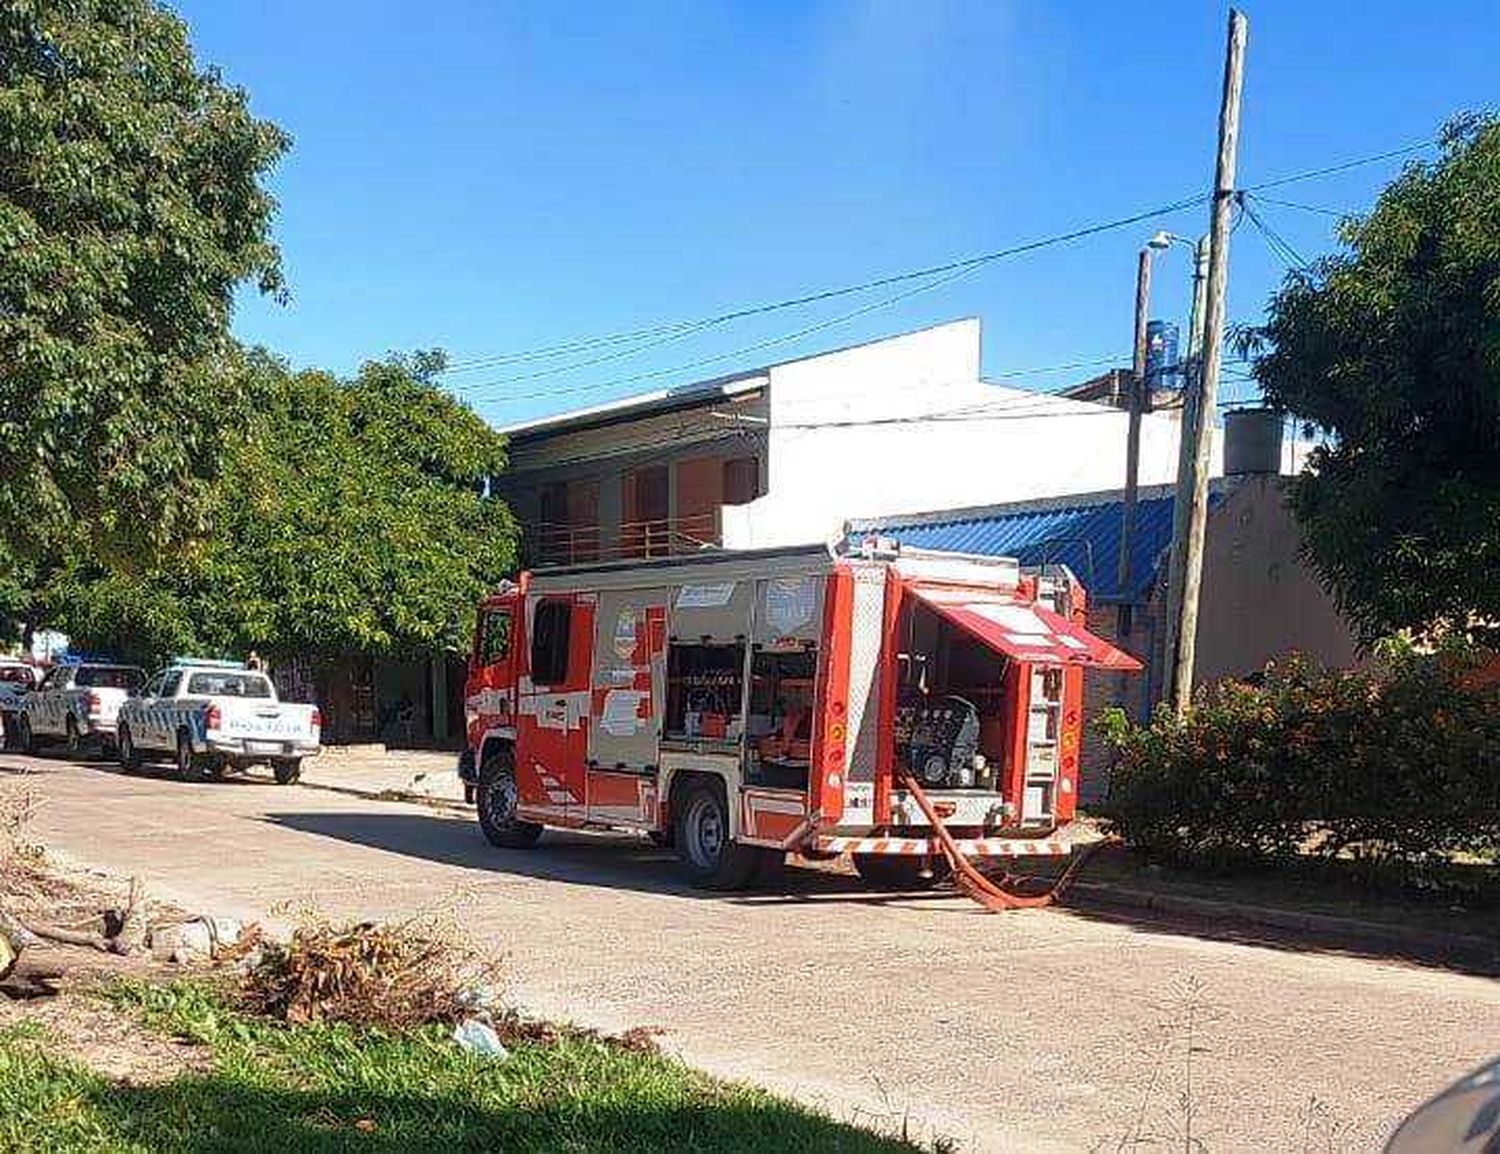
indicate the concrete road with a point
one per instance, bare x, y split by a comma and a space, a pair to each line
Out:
1037, 1030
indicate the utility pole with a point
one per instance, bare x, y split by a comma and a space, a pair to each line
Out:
1201, 431
1138, 402
1188, 464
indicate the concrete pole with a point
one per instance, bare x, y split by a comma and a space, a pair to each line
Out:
1188, 464
1138, 402
1213, 354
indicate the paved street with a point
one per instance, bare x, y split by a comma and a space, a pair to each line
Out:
1031, 1031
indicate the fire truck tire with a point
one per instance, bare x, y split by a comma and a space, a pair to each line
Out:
495, 799
712, 859
896, 872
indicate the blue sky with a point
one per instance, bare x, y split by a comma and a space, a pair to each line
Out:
489, 178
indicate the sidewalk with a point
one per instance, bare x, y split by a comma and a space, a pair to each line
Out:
374, 771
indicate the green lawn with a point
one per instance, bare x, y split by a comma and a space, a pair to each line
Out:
315, 1088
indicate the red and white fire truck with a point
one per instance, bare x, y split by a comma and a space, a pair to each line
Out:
888, 703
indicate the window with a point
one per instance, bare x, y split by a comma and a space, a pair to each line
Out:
219, 684
124, 677
549, 643
494, 637
153, 687
741, 480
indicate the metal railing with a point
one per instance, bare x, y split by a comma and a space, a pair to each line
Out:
548, 543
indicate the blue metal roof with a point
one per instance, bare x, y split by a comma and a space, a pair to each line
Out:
1085, 537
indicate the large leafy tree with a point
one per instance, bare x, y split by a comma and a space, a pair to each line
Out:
1392, 349
353, 518
132, 204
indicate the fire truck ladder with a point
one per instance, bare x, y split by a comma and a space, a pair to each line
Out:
994, 894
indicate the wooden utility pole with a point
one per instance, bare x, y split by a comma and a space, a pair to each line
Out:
1138, 403
1213, 349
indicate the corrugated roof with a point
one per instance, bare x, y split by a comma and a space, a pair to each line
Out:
1081, 533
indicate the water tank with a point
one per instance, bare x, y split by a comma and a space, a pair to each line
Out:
1252, 441
1163, 371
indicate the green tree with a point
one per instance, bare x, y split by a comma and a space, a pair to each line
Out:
353, 519
1392, 349
131, 206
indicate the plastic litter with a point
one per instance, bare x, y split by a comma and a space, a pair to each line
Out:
479, 1038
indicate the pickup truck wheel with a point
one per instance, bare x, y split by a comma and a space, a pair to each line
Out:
496, 800
189, 766
704, 846
287, 770
130, 756
74, 738
25, 739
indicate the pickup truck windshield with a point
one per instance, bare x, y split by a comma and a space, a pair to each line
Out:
228, 684
110, 677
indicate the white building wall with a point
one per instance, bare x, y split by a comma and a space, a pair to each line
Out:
906, 425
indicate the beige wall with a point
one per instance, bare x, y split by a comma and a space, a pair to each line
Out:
1259, 603
1259, 600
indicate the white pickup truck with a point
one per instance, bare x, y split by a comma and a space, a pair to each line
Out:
17, 679
76, 703
214, 716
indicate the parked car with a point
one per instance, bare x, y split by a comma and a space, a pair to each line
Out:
17, 679
212, 716
77, 703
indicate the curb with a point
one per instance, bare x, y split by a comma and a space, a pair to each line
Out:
1383, 934
387, 795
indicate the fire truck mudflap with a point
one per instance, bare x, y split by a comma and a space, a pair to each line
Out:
903, 707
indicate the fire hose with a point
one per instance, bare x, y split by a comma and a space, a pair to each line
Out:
991, 895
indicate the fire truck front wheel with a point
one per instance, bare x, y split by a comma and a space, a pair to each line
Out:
496, 798
704, 846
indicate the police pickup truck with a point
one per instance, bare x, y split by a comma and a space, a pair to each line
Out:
17, 679
212, 716
76, 703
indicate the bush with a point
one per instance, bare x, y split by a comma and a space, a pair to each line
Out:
1397, 764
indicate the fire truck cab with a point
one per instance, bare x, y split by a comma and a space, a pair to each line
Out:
744, 705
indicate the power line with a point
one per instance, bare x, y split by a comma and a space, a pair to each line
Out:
1345, 166
935, 277
680, 330
1278, 244
1337, 214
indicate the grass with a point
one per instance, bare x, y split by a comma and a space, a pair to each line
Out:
332, 1088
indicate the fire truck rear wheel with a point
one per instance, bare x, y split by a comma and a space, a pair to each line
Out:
897, 872
704, 845
496, 799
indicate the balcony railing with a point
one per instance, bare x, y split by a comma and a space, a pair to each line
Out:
551, 543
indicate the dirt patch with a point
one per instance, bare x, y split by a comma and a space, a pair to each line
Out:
107, 1040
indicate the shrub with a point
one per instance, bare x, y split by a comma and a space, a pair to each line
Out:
1397, 764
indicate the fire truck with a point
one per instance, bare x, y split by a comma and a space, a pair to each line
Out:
912, 709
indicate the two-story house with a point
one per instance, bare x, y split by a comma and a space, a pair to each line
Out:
786, 453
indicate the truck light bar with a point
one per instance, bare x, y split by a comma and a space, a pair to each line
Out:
207, 663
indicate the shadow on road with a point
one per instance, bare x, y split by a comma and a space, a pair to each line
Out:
614, 861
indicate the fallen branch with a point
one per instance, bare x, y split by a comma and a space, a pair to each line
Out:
123, 931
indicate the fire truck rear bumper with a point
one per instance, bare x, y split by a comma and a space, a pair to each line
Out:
969, 847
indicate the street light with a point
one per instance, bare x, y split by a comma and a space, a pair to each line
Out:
1140, 399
